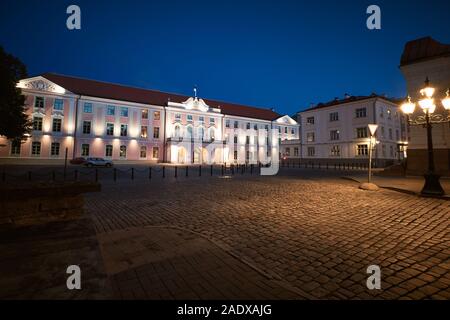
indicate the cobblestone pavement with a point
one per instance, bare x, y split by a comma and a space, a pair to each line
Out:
171, 263
319, 235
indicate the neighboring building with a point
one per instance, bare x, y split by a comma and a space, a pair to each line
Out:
291, 148
423, 58
98, 119
338, 130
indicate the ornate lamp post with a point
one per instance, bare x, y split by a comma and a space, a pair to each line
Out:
432, 185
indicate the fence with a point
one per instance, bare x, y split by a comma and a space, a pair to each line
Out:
131, 174
325, 165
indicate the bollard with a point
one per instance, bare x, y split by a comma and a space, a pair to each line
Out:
3, 176
96, 175
149, 173
222, 170
187, 174
115, 174
327, 165
132, 173
251, 169
211, 170
232, 169
199, 170
164, 171
76, 175
176, 172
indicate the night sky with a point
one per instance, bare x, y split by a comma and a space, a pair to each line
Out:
282, 54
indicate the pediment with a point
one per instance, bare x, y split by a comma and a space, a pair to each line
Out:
41, 84
195, 104
286, 120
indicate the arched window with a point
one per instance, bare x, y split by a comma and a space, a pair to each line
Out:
212, 133
201, 133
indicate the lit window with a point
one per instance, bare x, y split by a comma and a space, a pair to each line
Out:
155, 152
85, 150
143, 152
54, 150
36, 148
144, 114
227, 123
156, 115
143, 131
58, 105
310, 137
37, 123
124, 112
123, 151
56, 125
110, 110
335, 151
362, 150
236, 124
87, 107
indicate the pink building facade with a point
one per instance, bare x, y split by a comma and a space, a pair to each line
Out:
87, 118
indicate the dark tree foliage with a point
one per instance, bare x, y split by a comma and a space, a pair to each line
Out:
14, 123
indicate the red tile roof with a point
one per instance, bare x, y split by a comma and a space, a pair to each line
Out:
423, 49
106, 90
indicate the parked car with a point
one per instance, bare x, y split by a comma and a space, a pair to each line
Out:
79, 160
99, 162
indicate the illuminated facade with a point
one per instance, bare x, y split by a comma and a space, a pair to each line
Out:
338, 130
89, 118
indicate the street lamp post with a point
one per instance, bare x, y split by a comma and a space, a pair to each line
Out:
432, 185
372, 129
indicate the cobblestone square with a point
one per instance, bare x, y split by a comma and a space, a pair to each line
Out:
270, 237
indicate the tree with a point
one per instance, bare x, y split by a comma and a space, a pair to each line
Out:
14, 123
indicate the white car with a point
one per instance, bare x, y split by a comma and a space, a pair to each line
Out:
98, 162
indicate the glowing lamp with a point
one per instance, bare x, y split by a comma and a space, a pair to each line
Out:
446, 101
428, 91
408, 107
427, 105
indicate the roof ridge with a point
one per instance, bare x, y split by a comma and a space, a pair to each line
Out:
153, 90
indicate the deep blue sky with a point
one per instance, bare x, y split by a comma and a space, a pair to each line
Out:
282, 54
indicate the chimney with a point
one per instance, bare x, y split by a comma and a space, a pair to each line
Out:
346, 96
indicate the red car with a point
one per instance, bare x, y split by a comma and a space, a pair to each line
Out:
79, 160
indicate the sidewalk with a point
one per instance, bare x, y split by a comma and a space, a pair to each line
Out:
407, 184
